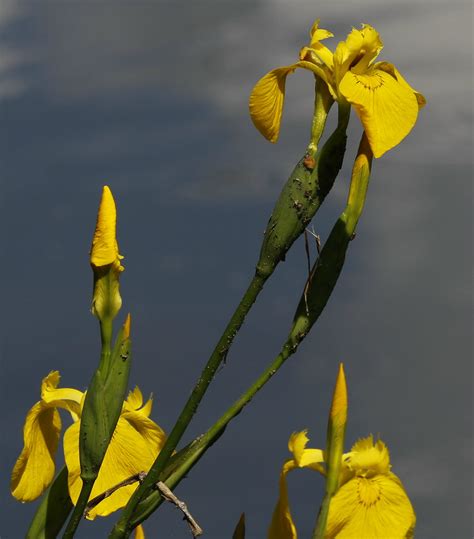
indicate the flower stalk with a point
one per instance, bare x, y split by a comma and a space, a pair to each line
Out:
321, 286
106, 393
301, 197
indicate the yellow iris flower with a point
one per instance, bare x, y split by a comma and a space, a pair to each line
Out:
385, 103
370, 503
135, 443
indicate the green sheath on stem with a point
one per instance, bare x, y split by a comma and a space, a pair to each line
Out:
101, 411
321, 286
53, 510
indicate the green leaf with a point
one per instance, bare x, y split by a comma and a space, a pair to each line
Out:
53, 510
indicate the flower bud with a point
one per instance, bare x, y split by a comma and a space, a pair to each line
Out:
105, 261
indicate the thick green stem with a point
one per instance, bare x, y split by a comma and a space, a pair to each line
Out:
331, 259
106, 328
265, 268
89, 476
78, 512
219, 354
321, 523
206, 440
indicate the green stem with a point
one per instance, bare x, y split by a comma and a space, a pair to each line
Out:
331, 259
217, 357
78, 512
123, 527
206, 440
322, 104
89, 476
320, 529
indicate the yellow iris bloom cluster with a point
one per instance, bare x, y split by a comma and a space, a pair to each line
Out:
385, 103
370, 503
135, 444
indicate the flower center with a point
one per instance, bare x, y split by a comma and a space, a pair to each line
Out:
368, 491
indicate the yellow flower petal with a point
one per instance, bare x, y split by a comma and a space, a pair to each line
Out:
371, 508
139, 532
34, 469
305, 458
266, 102
357, 52
317, 34
134, 402
392, 70
67, 398
268, 97
323, 53
387, 108
282, 525
135, 444
104, 249
368, 459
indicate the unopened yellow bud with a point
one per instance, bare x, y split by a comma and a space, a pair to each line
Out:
338, 413
105, 260
104, 249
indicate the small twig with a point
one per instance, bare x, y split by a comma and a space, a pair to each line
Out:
125, 483
196, 530
310, 275
316, 237
167, 494
306, 248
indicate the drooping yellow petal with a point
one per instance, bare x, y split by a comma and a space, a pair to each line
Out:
134, 446
34, 469
268, 97
387, 109
66, 398
104, 249
266, 102
282, 525
139, 532
371, 508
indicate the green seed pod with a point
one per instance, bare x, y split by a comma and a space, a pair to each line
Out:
302, 195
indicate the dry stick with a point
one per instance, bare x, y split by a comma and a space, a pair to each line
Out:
165, 491
168, 495
125, 483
